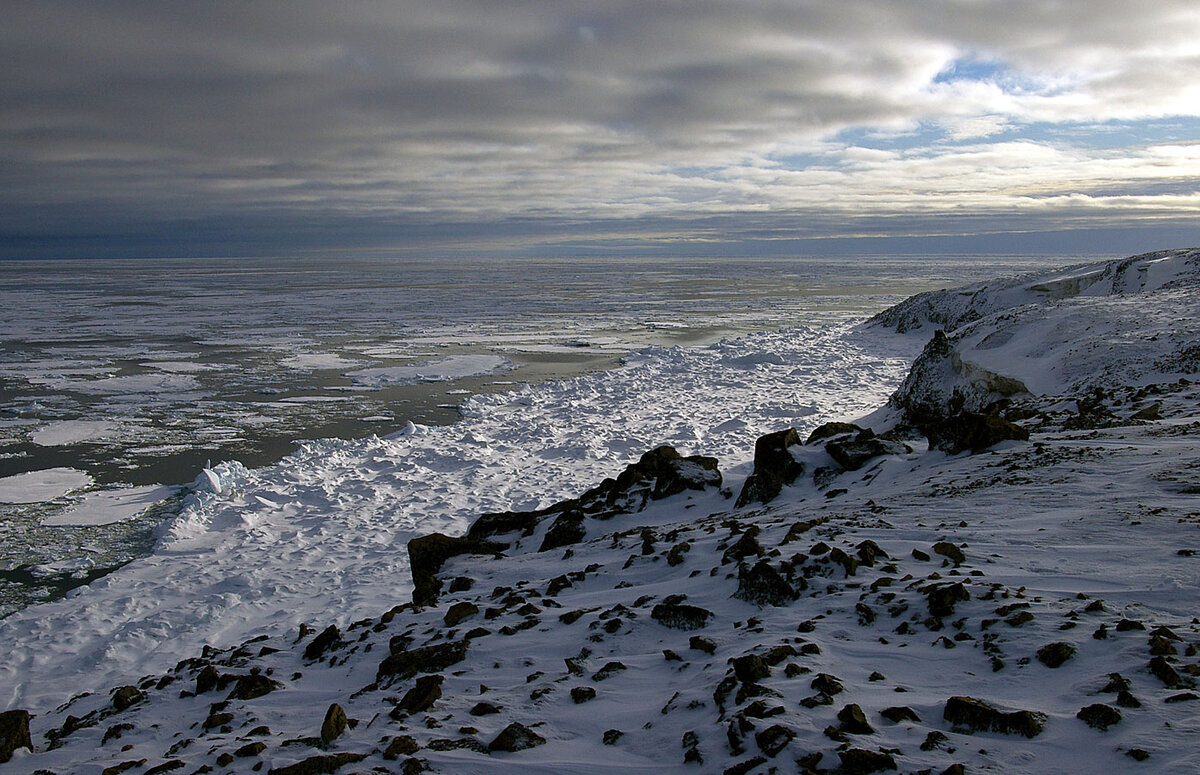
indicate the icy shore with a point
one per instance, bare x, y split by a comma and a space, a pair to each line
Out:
1052, 582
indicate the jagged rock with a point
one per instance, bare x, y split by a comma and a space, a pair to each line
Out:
1161, 646
117, 769
250, 687
859, 761
1054, 655
854, 721
426, 659
207, 680
168, 766
827, 684
609, 670
1161, 669
774, 467
215, 720
950, 552
741, 768
934, 739
701, 643
1126, 700
426, 691
484, 709
334, 724
744, 547
427, 553
401, 745
329, 638
1138, 754
14, 733
972, 431
581, 694
774, 739
854, 453
899, 713
942, 599
250, 749
972, 715
126, 697
566, 529
680, 616
459, 611
611, 736
319, 765
830, 429
868, 552
114, 732
1099, 716
849, 564
763, 585
750, 668
515, 737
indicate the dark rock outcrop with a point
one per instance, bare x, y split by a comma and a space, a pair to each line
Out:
972, 715
515, 737
427, 553
774, 467
327, 639
942, 599
334, 724
1099, 716
426, 659
421, 697
855, 452
679, 616
14, 733
972, 431
319, 765
763, 585
250, 687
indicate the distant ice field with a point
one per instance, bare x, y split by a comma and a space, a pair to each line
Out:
120, 375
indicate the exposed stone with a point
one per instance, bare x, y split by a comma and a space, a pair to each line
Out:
741, 768
701, 643
899, 713
427, 553
774, 467
215, 720
319, 765
207, 679
334, 724
14, 733
581, 694
763, 585
774, 739
611, 736
329, 638
1099, 716
854, 453
125, 766
515, 737
973, 431
250, 749
950, 551
859, 761
566, 529
426, 659
942, 599
484, 709
126, 697
253, 686
750, 668
1054, 655
972, 715
680, 616
854, 721
418, 699
400, 745
830, 429
459, 611
827, 684
746, 546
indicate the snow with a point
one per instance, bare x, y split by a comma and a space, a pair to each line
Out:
439, 370
63, 432
104, 507
315, 361
44, 485
1079, 514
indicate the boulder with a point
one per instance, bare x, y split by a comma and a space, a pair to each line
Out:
679, 616
1099, 716
327, 639
566, 529
426, 554
421, 697
774, 467
426, 659
1055, 654
126, 697
763, 585
971, 715
972, 431
942, 599
14, 733
774, 739
319, 765
334, 724
250, 687
515, 737
459, 611
854, 453
831, 429
859, 761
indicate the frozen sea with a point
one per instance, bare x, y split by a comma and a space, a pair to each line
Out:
121, 381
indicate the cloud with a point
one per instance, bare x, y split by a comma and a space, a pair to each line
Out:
462, 112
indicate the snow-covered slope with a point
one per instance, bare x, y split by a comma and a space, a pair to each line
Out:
1027, 609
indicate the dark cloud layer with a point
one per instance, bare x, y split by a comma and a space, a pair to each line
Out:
263, 125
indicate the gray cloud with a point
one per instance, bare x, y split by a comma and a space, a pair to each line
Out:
124, 116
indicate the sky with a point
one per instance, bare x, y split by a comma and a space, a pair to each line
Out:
506, 127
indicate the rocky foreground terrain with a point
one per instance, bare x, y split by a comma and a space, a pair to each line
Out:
997, 572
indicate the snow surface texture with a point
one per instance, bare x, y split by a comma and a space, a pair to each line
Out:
1058, 577
45, 485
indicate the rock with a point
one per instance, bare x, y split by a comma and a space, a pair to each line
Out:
250, 749
831, 429
899, 713
868, 552
679, 616
854, 453
849, 564
972, 715
920, 555
168, 766
319, 765
941, 600
400, 745
741, 768
611, 736
114, 732
1161, 646
459, 611
566, 529
515, 737
207, 680
1053, 655
329, 638
14, 733
125, 766
859, 761
581, 694
774, 467
950, 551
126, 697
426, 554
750, 668
934, 739
1099, 716
972, 431
334, 724
1126, 700
854, 721
609, 670
744, 547
827, 684
484, 709
774, 739
215, 720
701, 643
426, 691
1138, 754
251, 687
763, 585
426, 659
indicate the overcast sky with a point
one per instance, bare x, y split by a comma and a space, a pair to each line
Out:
560, 127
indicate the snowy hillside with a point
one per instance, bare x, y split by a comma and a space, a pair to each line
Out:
999, 571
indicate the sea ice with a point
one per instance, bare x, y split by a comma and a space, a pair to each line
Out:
39, 486
440, 370
63, 432
104, 507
